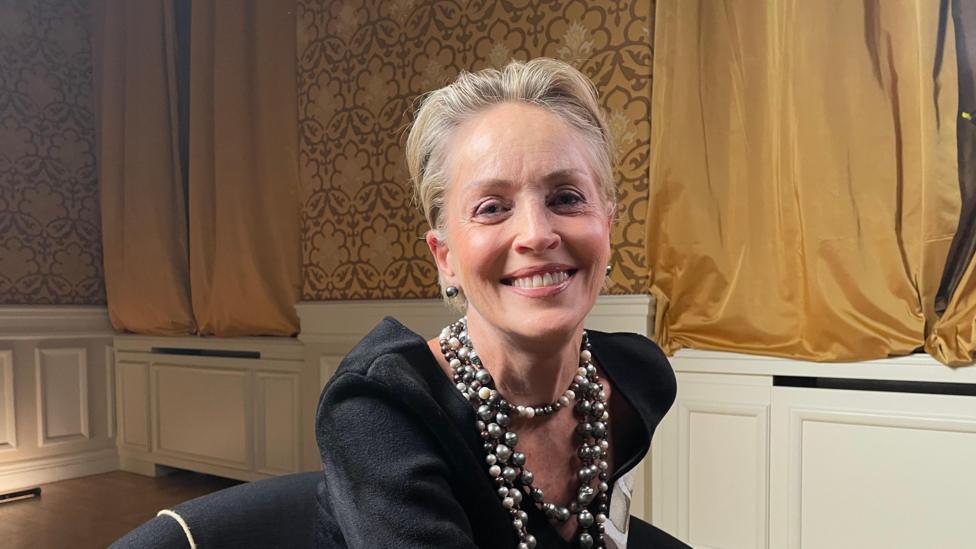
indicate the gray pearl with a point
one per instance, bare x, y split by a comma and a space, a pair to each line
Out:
599, 429
483, 376
491, 459
538, 496
509, 474
495, 430
585, 518
527, 477
503, 452
584, 474
511, 439
518, 458
562, 514
502, 492
585, 541
484, 412
530, 540
503, 419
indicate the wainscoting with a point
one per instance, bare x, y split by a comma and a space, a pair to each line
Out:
57, 409
764, 453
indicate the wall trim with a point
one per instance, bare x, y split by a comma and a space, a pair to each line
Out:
339, 325
917, 367
32, 472
54, 321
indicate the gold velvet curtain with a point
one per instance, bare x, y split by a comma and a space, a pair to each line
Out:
804, 182
198, 166
245, 243
143, 200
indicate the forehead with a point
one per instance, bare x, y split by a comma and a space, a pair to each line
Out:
517, 143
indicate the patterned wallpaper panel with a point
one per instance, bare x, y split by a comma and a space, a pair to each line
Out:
361, 66
50, 241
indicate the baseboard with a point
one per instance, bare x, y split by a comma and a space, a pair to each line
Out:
33, 472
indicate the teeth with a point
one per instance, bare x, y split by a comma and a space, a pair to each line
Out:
540, 281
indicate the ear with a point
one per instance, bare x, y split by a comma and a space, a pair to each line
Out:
441, 252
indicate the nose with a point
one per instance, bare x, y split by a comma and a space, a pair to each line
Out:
535, 232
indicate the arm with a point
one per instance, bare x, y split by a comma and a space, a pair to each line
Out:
386, 481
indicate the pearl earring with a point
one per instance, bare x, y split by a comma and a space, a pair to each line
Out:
451, 292
609, 269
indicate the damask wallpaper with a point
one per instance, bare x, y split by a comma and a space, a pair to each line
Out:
50, 243
362, 63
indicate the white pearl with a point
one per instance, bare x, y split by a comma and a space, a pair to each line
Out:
529, 412
454, 343
570, 394
484, 393
508, 503
585, 356
563, 401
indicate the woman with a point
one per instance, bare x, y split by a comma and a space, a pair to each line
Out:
512, 428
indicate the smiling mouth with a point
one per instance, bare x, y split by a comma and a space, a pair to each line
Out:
540, 280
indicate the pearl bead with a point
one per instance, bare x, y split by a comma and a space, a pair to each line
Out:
508, 503
585, 355
491, 459
529, 412
494, 470
585, 518
454, 343
585, 541
503, 452
484, 393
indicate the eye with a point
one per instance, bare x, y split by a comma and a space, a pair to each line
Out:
490, 208
567, 200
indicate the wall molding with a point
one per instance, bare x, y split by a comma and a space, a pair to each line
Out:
32, 472
917, 367
43, 379
339, 325
54, 322
7, 402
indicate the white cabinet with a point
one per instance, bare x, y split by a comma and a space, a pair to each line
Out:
228, 407
751, 458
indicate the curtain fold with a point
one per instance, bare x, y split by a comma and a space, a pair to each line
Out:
143, 200
803, 182
198, 152
245, 246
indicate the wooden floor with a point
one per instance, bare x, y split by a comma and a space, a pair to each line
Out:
95, 511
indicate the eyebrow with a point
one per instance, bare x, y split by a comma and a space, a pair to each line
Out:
554, 175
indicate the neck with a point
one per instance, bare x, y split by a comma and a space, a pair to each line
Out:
526, 371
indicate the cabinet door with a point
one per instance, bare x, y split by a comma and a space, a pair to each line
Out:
202, 413
872, 469
710, 458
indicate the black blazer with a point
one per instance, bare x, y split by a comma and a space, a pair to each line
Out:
403, 462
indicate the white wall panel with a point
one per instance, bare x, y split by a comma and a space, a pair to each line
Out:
62, 395
8, 410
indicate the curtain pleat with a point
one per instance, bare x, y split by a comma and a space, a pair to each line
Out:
803, 178
143, 201
245, 247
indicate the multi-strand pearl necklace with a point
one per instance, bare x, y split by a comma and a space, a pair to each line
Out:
506, 466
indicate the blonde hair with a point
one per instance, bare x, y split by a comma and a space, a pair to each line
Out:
552, 85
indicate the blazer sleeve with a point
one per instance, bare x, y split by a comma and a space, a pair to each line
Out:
386, 483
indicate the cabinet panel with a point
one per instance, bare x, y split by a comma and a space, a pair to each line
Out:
133, 403
276, 428
8, 411
720, 448
202, 413
866, 469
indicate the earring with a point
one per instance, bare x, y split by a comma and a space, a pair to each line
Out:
451, 292
609, 269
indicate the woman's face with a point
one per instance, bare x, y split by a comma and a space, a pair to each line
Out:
527, 231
